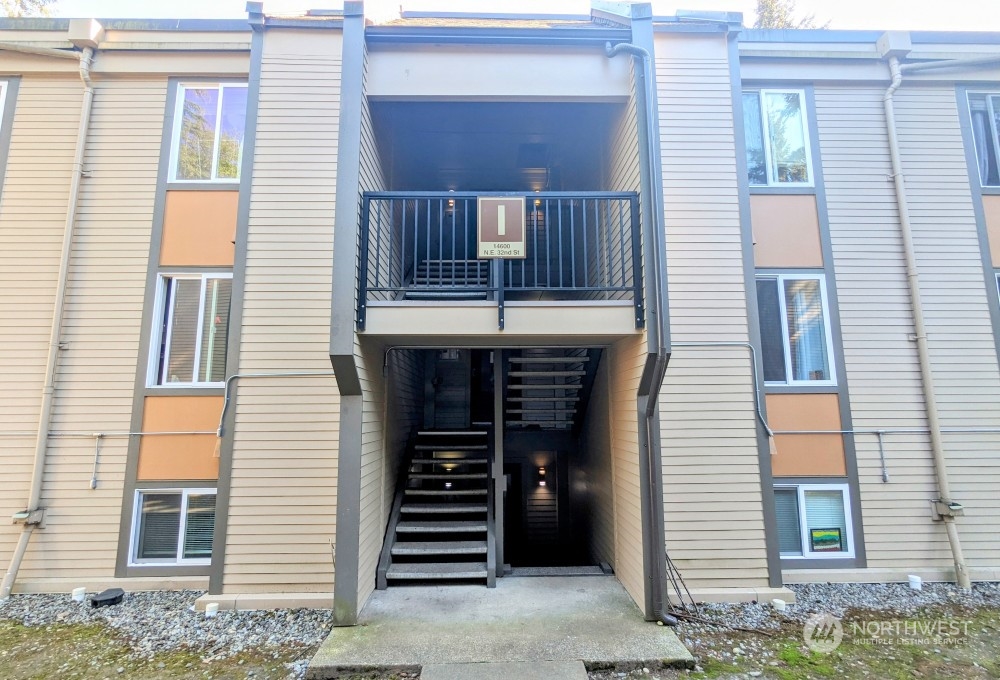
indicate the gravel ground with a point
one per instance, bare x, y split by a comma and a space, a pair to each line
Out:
165, 621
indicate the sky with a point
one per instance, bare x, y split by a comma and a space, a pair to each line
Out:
952, 15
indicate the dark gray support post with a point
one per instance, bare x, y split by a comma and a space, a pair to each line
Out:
342, 318
497, 476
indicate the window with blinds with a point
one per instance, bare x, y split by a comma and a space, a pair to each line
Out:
796, 343
174, 526
193, 330
814, 521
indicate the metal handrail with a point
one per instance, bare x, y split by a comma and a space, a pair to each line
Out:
422, 245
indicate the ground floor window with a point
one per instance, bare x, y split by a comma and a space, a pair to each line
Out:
173, 526
814, 520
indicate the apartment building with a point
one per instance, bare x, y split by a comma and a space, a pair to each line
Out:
298, 307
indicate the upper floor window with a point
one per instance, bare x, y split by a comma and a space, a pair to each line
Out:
208, 132
985, 110
796, 345
192, 330
777, 141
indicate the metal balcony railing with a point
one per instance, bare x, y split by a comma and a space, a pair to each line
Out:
422, 246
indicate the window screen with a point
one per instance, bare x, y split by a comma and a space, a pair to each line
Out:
772, 344
786, 505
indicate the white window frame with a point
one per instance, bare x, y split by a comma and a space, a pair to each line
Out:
766, 132
156, 339
991, 113
785, 337
180, 560
3, 97
808, 554
175, 137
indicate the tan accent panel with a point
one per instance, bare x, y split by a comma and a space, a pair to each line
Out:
188, 456
806, 455
785, 231
199, 228
991, 209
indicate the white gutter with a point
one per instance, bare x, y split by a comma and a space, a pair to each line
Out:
944, 507
33, 515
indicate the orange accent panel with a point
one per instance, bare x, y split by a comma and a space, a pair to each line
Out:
183, 456
785, 231
199, 228
991, 209
806, 455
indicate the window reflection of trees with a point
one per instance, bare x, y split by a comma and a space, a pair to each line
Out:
788, 152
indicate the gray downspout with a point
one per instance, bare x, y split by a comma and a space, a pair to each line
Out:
33, 515
926, 375
655, 369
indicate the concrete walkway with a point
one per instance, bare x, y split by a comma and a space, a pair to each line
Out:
523, 621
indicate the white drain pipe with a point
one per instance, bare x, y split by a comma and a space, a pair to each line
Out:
33, 514
923, 354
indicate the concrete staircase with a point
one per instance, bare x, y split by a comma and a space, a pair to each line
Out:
441, 527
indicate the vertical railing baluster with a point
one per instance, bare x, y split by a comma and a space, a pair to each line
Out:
559, 207
534, 243
402, 245
453, 239
621, 240
586, 260
572, 242
465, 217
548, 246
637, 301
427, 251
440, 262
362, 308
378, 241
390, 261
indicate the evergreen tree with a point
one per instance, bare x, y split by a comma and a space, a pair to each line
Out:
781, 14
26, 8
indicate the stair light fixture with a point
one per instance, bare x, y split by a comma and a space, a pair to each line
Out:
541, 476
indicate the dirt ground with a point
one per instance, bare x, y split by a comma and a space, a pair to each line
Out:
939, 644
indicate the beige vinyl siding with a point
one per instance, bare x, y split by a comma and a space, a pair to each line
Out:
103, 311
625, 361
595, 472
378, 463
877, 325
959, 331
282, 508
32, 216
711, 476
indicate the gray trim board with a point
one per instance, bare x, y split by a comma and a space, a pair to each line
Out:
975, 186
342, 319
224, 486
846, 419
988, 191
142, 362
749, 278
7, 124
801, 389
654, 546
166, 391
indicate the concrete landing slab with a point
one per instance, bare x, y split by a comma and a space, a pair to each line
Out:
524, 670
523, 620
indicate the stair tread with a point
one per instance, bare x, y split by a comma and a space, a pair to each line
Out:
430, 570
452, 461
546, 374
448, 475
544, 387
439, 547
450, 447
458, 526
549, 360
446, 492
442, 508
451, 433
